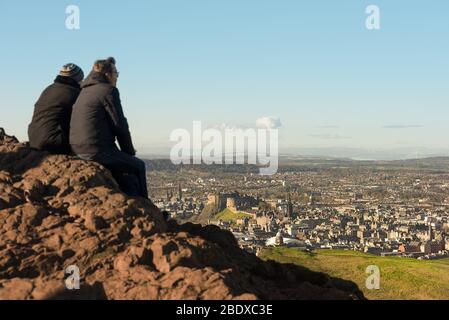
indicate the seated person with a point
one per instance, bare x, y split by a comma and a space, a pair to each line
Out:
97, 121
49, 128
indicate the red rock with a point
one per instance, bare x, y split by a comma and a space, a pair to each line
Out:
15, 289
90, 244
54, 242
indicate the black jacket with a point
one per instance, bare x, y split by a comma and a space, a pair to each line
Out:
49, 128
97, 118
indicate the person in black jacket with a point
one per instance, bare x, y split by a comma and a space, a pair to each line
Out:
49, 127
97, 121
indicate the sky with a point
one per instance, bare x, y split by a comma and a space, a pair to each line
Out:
312, 65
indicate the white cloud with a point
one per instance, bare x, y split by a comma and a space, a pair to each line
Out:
268, 123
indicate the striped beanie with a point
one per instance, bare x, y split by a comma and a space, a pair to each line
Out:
71, 70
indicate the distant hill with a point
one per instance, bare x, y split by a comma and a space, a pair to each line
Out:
400, 278
160, 165
287, 163
167, 165
397, 153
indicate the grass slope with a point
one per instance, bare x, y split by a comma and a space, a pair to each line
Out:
400, 278
229, 215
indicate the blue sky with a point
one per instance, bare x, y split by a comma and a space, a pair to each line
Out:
313, 64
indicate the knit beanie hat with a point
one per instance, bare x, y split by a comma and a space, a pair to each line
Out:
71, 70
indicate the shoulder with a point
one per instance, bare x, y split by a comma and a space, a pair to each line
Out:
66, 87
101, 89
113, 92
57, 89
107, 88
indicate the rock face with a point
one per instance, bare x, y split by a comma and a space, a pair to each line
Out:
57, 211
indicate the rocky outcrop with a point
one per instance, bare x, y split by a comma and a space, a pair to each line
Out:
57, 211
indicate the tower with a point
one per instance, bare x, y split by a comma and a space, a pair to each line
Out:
289, 206
180, 191
311, 199
279, 240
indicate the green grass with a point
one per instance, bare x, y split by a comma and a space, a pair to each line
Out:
400, 278
229, 215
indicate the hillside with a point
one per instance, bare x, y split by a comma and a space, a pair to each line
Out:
229, 215
400, 278
57, 211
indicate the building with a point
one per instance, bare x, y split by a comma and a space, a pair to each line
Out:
414, 246
432, 246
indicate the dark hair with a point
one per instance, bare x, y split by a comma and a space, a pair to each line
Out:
104, 66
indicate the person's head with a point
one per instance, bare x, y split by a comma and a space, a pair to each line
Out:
72, 71
108, 69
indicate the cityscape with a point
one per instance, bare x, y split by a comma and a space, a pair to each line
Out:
397, 208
